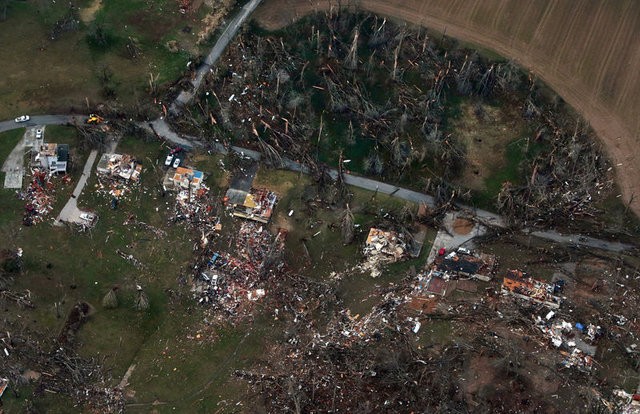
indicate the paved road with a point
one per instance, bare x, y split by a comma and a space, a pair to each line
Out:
42, 120
70, 212
217, 50
579, 240
164, 131
485, 217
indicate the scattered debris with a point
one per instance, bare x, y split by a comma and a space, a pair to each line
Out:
39, 197
518, 284
227, 282
257, 205
4, 384
383, 247
629, 403
129, 257
131, 220
571, 341
21, 299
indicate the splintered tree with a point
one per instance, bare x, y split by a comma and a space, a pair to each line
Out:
133, 48
273, 258
110, 300
388, 87
351, 61
92, 137
4, 5
347, 225
142, 300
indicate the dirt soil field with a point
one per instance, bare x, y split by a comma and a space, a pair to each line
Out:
485, 131
587, 51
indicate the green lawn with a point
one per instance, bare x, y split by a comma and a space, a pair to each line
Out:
44, 75
8, 141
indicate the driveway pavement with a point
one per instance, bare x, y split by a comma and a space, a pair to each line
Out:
70, 212
13, 166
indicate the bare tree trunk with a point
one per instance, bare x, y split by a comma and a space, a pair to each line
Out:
351, 61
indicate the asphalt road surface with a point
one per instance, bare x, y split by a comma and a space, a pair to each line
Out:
42, 120
215, 53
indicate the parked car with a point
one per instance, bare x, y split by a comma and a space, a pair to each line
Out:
176, 162
88, 217
95, 119
85, 216
23, 118
169, 160
39, 133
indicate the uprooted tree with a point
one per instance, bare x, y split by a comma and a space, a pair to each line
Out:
360, 84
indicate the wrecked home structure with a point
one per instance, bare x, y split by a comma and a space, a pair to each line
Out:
464, 264
116, 174
122, 166
191, 194
39, 196
229, 281
256, 204
51, 157
382, 247
433, 283
184, 178
389, 245
517, 283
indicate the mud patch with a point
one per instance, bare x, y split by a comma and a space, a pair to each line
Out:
462, 226
485, 131
88, 14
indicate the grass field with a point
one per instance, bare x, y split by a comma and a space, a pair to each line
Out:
8, 141
41, 75
182, 364
587, 51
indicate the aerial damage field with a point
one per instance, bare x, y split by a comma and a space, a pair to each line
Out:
214, 278
585, 51
62, 57
368, 96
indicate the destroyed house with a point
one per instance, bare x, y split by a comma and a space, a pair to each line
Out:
187, 178
388, 243
256, 205
435, 283
4, 384
119, 166
53, 157
466, 265
517, 283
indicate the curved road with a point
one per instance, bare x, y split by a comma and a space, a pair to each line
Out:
163, 130
587, 51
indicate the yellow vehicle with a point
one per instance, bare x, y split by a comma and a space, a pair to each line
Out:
95, 119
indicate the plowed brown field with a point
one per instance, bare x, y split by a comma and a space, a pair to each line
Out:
588, 51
